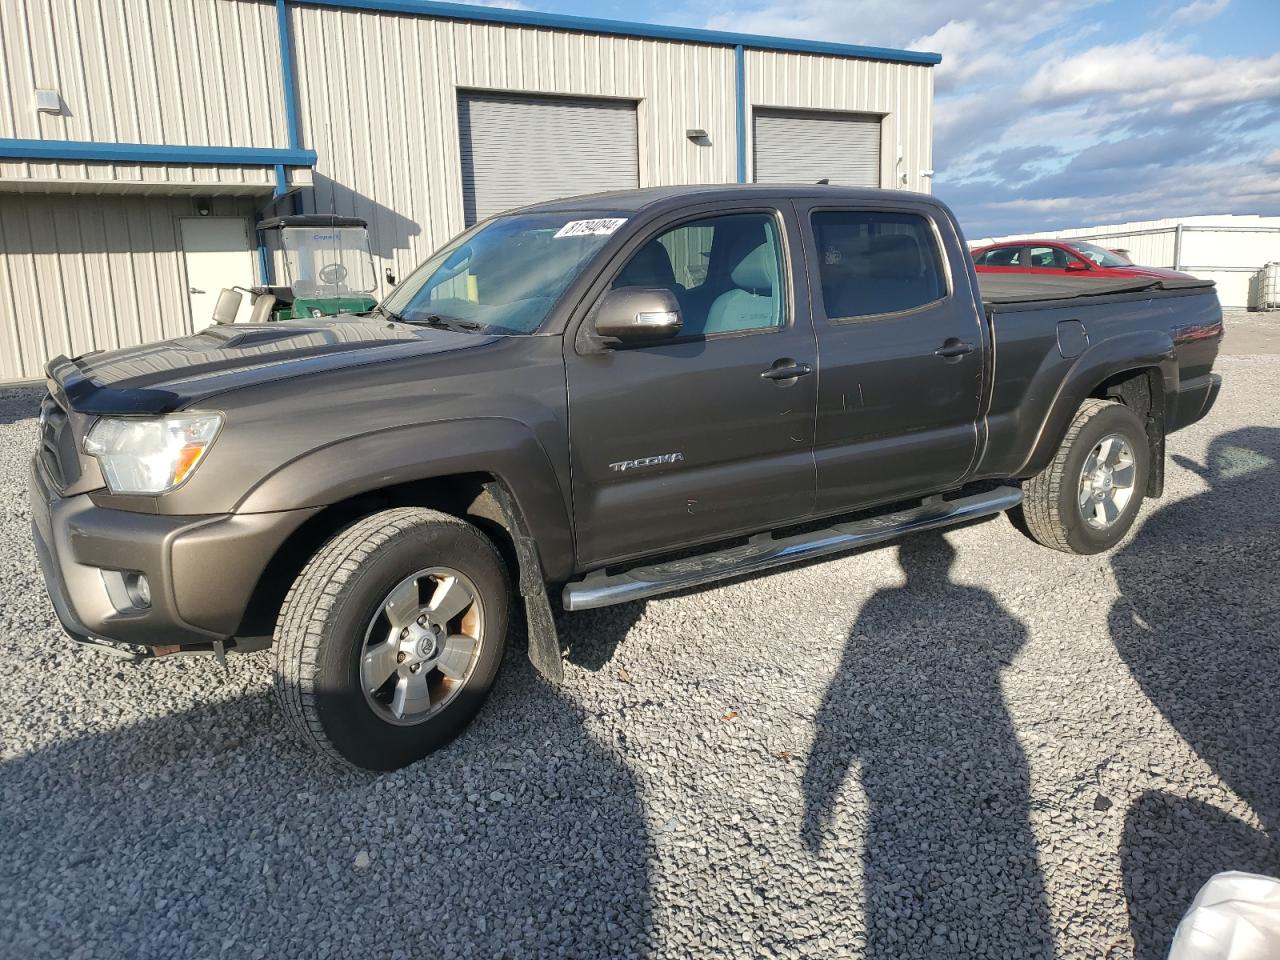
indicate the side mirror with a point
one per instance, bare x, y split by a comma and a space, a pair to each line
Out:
1075, 266
228, 305
638, 314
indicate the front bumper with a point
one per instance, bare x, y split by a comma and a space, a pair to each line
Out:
202, 570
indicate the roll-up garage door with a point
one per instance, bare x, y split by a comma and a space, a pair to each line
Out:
796, 146
518, 150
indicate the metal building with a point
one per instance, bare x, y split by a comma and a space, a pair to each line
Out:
141, 140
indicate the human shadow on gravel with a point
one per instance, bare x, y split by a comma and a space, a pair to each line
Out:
950, 866
1197, 625
211, 834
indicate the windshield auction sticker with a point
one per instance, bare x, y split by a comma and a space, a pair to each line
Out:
591, 228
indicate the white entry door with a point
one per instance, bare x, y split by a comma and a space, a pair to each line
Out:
218, 254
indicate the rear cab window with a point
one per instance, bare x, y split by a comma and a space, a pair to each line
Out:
873, 262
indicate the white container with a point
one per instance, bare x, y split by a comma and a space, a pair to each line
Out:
1235, 916
1264, 293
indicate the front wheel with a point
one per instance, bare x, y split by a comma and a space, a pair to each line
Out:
1086, 500
391, 637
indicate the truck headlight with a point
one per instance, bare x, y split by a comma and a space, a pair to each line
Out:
152, 455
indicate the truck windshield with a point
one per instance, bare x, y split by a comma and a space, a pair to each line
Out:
505, 277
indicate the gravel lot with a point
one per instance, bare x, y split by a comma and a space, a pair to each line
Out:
966, 746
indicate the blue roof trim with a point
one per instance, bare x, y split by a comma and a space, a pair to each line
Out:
82, 150
560, 21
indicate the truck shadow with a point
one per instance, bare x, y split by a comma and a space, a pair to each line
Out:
20, 402
950, 865
209, 833
1197, 627
590, 638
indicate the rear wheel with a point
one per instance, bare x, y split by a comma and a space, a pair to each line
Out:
391, 637
1086, 500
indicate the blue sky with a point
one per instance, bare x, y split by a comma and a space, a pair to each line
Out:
1056, 115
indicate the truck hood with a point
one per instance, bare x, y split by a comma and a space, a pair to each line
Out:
172, 374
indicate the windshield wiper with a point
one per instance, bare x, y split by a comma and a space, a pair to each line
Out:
382, 311
444, 322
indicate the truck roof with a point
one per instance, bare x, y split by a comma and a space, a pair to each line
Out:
633, 201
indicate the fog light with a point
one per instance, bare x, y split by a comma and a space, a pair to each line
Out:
138, 589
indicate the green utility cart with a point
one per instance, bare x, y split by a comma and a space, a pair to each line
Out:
328, 266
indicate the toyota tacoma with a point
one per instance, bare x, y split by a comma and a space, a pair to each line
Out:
586, 402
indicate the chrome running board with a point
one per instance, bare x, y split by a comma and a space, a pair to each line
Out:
765, 552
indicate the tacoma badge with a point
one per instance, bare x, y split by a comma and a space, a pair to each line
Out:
661, 458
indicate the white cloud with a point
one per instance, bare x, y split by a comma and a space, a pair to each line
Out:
1033, 125
1150, 72
1198, 11
990, 49
1181, 192
870, 22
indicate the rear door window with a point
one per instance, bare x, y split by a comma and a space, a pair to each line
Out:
876, 262
1048, 258
1001, 257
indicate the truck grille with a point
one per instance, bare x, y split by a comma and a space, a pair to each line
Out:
58, 452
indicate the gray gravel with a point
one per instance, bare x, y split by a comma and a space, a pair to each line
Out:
1000, 752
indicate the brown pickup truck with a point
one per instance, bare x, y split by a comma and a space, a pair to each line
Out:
593, 400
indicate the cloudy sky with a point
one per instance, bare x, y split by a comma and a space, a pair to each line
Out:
1060, 114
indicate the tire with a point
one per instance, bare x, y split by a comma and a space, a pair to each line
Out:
1052, 512
337, 621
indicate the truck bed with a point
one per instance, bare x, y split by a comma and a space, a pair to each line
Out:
1023, 290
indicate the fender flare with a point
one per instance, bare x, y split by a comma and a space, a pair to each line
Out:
1128, 352
503, 448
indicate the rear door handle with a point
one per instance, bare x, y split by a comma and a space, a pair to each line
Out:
953, 348
786, 370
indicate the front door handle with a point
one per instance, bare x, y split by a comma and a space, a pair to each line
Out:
953, 348
786, 370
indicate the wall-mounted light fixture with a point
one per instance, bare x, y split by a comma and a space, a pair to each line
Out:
48, 101
699, 136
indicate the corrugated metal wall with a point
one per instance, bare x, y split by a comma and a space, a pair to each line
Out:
377, 96
204, 72
901, 93
145, 71
137, 178
91, 273
415, 66
368, 80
